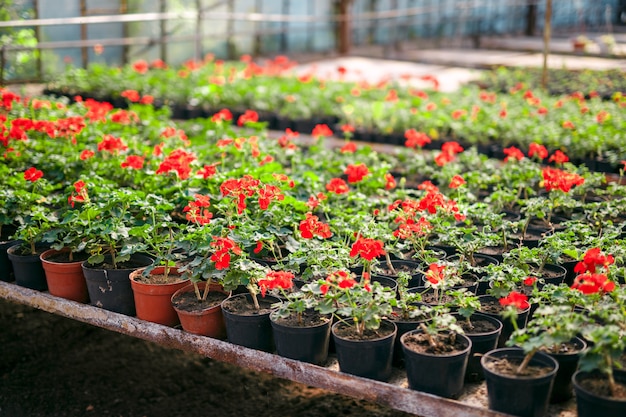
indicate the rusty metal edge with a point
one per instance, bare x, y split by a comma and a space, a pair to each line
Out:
390, 395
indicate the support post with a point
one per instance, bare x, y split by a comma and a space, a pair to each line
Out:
546, 44
345, 27
83, 33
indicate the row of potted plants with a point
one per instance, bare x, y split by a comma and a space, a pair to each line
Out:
589, 127
252, 212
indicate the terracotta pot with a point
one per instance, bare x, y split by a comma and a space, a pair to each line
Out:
207, 322
153, 302
65, 279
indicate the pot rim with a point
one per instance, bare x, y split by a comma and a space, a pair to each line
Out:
540, 355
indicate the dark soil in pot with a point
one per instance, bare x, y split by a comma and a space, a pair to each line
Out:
241, 307
189, 302
348, 332
509, 366
308, 319
447, 344
64, 257
600, 386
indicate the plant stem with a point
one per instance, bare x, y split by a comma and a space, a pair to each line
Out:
526, 361
197, 291
609, 374
431, 341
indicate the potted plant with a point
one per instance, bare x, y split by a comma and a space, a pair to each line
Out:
363, 340
300, 331
436, 354
35, 218
113, 254
158, 236
599, 389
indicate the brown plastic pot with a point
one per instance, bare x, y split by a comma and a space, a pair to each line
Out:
208, 322
153, 302
65, 279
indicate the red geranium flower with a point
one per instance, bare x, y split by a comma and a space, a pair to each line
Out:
248, 116
321, 130
367, 249
311, 226
456, 181
415, 139
276, 279
133, 161
515, 299
436, 273
558, 157
591, 283
535, 149
337, 186
356, 173
32, 174
349, 147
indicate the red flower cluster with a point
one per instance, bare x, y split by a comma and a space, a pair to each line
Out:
249, 116
589, 281
340, 278
223, 248
367, 249
436, 273
311, 226
515, 299
133, 161
32, 174
207, 171
558, 157
321, 131
267, 194
197, 210
315, 200
79, 195
448, 153
390, 181
222, 115
356, 173
276, 279
349, 147
337, 186
415, 139
537, 150
592, 259
456, 182
178, 160
111, 144
513, 153
408, 228
240, 188
554, 179
593, 283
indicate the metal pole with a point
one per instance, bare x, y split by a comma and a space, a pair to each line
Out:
2, 63
283, 34
230, 42
162, 29
125, 31
83, 33
344, 27
199, 20
531, 17
546, 43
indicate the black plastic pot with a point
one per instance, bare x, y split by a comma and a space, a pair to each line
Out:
27, 269
589, 404
568, 365
481, 344
110, 289
366, 358
253, 331
507, 326
520, 396
6, 266
306, 344
441, 375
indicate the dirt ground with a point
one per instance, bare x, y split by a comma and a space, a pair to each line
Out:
53, 366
